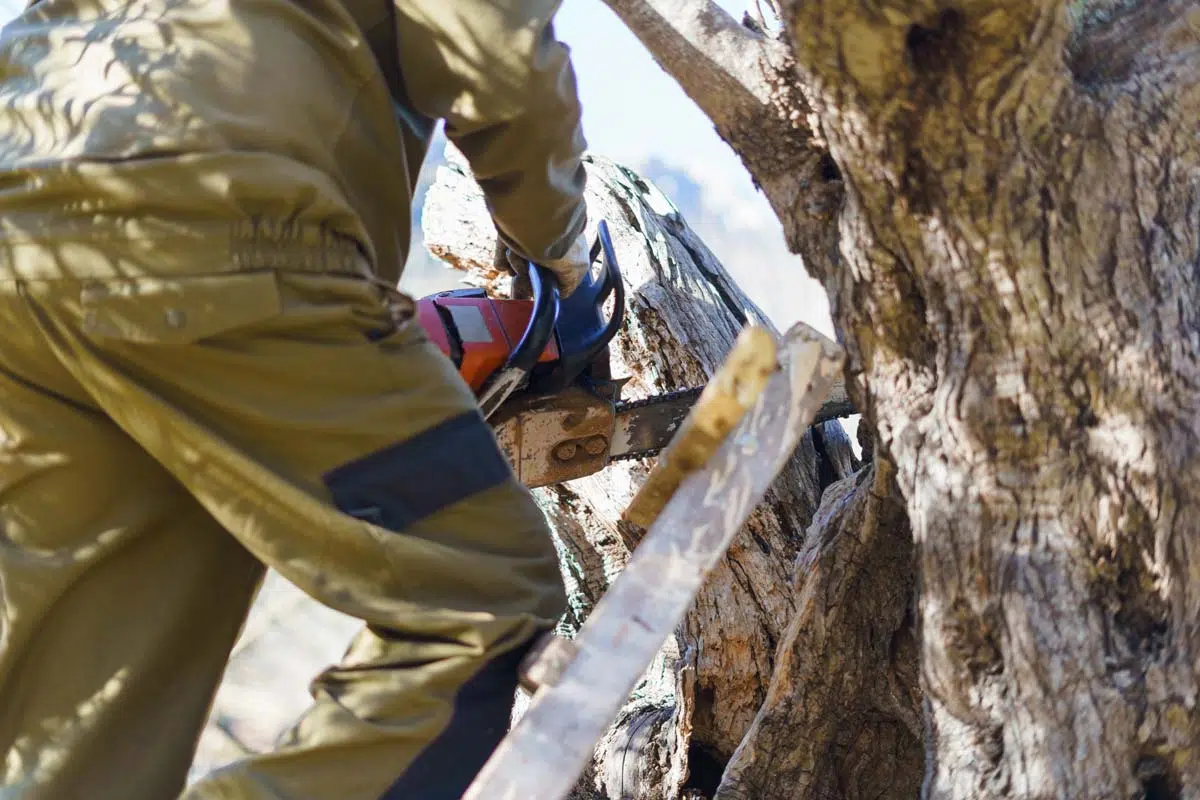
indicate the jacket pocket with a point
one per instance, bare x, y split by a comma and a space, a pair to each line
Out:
179, 310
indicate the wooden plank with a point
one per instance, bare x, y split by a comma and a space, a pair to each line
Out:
544, 754
726, 398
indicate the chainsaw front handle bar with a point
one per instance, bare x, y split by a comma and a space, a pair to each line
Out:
524, 357
546, 307
583, 331
578, 322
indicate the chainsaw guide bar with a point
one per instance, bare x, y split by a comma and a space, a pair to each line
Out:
644, 427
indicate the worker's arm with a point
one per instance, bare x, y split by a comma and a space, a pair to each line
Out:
493, 70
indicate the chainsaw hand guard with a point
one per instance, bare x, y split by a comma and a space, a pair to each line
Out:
524, 357
539, 346
582, 329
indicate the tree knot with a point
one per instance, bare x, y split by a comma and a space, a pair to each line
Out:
932, 48
973, 641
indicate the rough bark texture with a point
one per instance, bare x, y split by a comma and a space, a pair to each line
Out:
842, 717
1015, 278
695, 705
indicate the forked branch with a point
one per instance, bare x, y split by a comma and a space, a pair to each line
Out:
717, 61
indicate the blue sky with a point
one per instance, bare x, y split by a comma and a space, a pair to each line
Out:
632, 109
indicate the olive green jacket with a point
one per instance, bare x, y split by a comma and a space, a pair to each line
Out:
149, 135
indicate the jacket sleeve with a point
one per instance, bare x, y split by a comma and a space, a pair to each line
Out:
493, 70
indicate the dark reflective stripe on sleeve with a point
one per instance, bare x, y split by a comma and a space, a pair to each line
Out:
406, 482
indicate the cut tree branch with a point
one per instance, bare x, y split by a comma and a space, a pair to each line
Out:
683, 313
718, 62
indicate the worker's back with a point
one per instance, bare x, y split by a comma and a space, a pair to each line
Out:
259, 125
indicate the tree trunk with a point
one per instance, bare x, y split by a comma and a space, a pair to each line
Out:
695, 705
1006, 218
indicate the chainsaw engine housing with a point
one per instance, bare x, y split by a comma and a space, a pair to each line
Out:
540, 366
478, 333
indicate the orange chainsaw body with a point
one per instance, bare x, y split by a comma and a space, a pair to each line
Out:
477, 332
539, 367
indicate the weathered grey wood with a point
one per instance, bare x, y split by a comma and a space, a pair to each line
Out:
550, 746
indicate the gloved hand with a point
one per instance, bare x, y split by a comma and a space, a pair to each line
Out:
568, 270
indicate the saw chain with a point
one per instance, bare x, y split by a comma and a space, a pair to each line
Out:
625, 407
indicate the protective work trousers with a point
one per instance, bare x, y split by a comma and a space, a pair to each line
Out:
165, 436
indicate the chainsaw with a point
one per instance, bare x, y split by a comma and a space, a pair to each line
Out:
539, 367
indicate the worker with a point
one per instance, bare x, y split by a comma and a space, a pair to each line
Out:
206, 370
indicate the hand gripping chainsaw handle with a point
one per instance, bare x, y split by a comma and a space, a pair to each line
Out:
583, 331
575, 327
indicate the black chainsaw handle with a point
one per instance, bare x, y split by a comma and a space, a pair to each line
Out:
524, 357
542, 320
583, 330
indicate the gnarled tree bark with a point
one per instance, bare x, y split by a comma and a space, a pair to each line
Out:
706, 690
1007, 223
